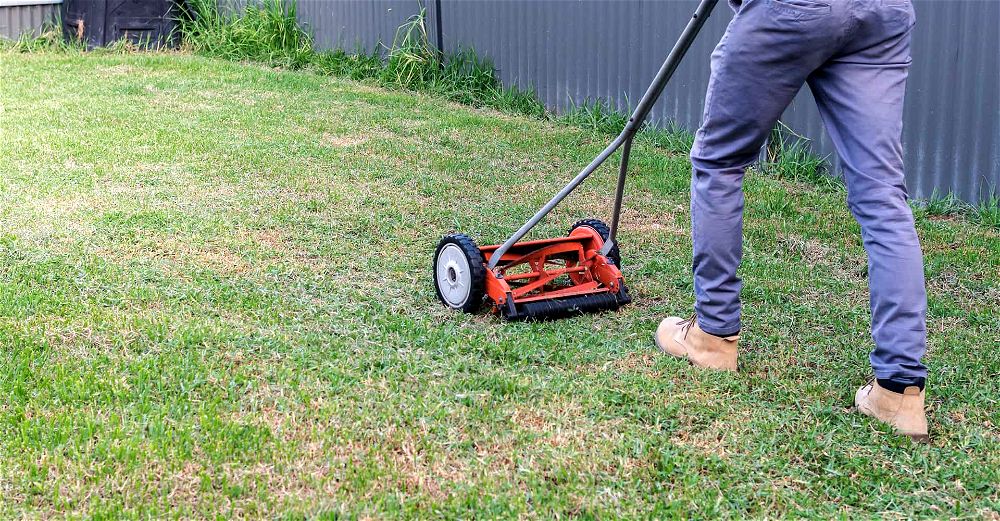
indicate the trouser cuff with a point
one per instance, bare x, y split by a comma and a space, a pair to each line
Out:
909, 378
723, 330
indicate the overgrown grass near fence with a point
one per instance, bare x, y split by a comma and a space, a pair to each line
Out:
49, 39
943, 206
269, 33
266, 32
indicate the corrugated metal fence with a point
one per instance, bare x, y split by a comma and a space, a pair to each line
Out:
19, 17
573, 50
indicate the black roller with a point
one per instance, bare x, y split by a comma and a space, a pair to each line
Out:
563, 307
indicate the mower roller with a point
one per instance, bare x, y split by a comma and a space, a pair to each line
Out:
551, 278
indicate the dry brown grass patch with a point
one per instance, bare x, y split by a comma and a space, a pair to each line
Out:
336, 141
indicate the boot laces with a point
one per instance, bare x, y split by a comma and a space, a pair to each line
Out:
687, 323
870, 383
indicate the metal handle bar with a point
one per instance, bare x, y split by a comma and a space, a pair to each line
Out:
642, 110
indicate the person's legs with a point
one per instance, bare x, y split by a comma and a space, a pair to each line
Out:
765, 57
860, 96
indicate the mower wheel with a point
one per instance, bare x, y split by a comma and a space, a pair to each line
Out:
604, 231
459, 273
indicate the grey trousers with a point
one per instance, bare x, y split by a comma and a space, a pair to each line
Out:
855, 56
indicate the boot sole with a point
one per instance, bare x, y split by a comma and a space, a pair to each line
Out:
917, 438
656, 340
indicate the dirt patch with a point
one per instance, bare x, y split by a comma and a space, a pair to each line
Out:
120, 69
420, 471
334, 141
277, 242
271, 239
840, 263
180, 252
562, 429
708, 441
82, 342
635, 219
529, 419
635, 362
716, 438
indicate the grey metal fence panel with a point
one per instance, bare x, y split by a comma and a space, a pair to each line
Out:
20, 19
355, 24
570, 51
952, 125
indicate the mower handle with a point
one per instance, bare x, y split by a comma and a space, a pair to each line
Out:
639, 115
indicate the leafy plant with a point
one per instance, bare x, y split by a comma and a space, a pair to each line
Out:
987, 212
788, 156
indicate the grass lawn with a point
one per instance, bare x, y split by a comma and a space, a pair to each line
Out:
216, 301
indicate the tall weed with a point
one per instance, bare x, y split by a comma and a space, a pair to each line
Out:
788, 156
266, 31
48, 39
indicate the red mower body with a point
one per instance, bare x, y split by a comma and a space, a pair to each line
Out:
541, 279
548, 278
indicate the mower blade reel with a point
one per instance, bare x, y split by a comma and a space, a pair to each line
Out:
565, 307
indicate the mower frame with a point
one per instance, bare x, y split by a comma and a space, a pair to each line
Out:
526, 275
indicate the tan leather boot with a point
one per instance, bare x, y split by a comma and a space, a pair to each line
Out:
683, 338
903, 411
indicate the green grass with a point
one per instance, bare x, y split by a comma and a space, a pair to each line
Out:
598, 116
215, 302
789, 156
603, 119
942, 206
985, 213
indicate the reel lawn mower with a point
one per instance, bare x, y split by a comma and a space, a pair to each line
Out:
551, 278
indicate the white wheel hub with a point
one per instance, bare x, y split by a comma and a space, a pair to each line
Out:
454, 276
